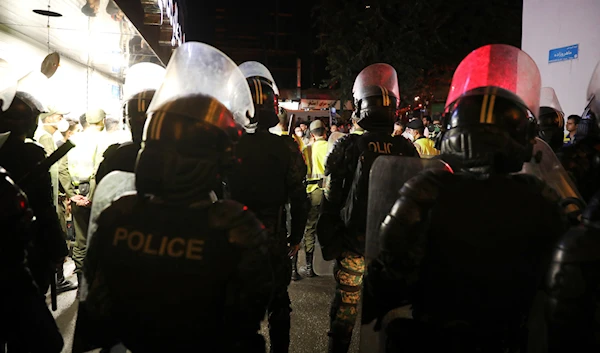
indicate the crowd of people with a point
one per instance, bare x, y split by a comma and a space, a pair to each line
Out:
187, 229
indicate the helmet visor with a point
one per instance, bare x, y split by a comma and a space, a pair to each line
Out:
548, 99
254, 69
498, 65
197, 68
382, 75
142, 77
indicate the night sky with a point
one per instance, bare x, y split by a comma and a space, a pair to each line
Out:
201, 21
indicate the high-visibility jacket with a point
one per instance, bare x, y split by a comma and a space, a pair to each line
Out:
314, 155
426, 147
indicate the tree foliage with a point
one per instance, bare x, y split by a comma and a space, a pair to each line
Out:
424, 40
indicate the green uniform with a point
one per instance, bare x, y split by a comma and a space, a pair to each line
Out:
314, 155
83, 162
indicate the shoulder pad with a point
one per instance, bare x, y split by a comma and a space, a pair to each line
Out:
579, 245
424, 188
35, 150
336, 160
538, 185
118, 207
244, 229
111, 149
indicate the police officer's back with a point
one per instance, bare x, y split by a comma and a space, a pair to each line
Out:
48, 247
469, 250
342, 223
170, 267
25, 321
270, 173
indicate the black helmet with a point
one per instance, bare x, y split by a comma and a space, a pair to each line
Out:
551, 127
376, 97
15, 214
134, 112
550, 120
264, 96
489, 126
183, 156
193, 121
21, 117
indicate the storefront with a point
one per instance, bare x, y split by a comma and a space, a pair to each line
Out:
95, 43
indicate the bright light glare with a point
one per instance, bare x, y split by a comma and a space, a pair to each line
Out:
416, 98
368, 7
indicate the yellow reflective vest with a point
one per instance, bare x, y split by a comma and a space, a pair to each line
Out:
315, 155
425, 147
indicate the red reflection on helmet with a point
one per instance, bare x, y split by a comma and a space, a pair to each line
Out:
498, 65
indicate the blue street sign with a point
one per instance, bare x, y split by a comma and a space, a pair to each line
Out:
115, 91
565, 53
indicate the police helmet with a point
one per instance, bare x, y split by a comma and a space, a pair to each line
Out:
134, 112
266, 103
488, 127
183, 155
376, 97
551, 127
21, 117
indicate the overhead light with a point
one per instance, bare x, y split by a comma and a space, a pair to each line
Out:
416, 98
368, 7
47, 13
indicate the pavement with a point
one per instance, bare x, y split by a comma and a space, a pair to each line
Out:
311, 298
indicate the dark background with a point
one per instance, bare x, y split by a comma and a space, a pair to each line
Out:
274, 32
424, 40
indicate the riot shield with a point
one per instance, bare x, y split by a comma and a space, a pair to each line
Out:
111, 187
388, 175
593, 91
320, 266
545, 165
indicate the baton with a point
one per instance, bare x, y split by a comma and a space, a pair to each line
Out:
44, 165
53, 293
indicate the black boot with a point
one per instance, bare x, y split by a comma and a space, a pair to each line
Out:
295, 274
336, 345
79, 279
309, 265
62, 285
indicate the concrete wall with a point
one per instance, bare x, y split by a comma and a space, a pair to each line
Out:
550, 24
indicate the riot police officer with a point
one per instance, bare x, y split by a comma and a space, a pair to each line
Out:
123, 156
470, 283
574, 279
26, 323
170, 267
47, 248
271, 173
551, 120
582, 159
376, 98
141, 82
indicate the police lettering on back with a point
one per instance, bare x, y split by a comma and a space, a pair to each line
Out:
381, 147
148, 244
